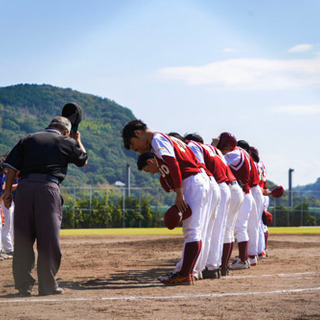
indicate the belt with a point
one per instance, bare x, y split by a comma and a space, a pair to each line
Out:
233, 182
40, 177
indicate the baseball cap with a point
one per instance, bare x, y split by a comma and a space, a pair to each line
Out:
173, 216
73, 112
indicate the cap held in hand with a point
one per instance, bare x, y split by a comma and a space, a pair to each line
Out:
73, 112
277, 192
173, 216
266, 217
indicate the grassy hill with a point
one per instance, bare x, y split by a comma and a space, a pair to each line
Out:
28, 108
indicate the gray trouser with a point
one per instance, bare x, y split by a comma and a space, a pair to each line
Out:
38, 216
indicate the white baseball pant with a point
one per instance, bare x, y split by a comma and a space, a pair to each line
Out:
219, 227
234, 207
254, 220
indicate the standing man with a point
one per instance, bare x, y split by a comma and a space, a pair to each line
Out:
181, 170
42, 159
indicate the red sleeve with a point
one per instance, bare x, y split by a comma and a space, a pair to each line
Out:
175, 172
165, 185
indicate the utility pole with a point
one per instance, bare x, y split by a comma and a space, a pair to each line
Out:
290, 188
128, 180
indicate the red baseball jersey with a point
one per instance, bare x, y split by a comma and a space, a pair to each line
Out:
254, 172
211, 160
164, 145
240, 166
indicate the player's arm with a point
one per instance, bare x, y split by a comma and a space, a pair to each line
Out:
7, 196
175, 173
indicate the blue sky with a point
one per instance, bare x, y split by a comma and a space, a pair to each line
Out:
248, 67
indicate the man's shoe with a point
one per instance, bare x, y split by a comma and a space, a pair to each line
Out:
253, 261
25, 292
198, 276
224, 271
168, 275
57, 290
239, 265
262, 255
178, 279
5, 255
211, 274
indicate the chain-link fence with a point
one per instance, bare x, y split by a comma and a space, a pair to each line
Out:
145, 207
296, 208
114, 207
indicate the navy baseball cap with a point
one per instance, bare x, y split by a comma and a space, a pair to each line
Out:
73, 112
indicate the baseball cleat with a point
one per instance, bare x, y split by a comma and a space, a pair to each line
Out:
262, 255
224, 271
198, 276
211, 274
5, 255
168, 275
239, 265
178, 279
253, 261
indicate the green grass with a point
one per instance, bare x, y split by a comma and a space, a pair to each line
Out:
294, 230
176, 231
122, 231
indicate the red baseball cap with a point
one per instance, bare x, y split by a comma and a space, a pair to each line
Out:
173, 216
277, 192
266, 217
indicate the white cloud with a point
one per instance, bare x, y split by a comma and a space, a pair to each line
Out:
300, 48
298, 109
249, 74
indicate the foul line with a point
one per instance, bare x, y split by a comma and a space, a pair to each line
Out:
172, 297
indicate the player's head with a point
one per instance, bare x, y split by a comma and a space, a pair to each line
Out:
133, 135
194, 137
61, 124
227, 142
147, 163
176, 135
244, 145
254, 153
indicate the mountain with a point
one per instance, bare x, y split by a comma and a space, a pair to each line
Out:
27, 108
311, 189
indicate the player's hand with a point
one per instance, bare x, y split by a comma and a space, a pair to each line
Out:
7, 199
76, 136
180, 202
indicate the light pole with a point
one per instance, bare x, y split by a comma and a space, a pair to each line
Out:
290, 198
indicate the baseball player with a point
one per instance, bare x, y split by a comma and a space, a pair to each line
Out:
181, 170
263, 229
207, 218
257, 208
6, 234
239, 163
216, 227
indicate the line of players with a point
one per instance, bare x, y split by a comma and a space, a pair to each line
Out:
224, 184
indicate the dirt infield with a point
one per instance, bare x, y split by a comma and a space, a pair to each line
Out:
115, 277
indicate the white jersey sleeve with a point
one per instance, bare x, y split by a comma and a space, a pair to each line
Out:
197, 151
234, 158
162, 146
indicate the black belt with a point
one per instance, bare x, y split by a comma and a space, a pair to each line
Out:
40, 177
233, 182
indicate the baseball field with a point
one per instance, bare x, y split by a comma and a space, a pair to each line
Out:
112, 274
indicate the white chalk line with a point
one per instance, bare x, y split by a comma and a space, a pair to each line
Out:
279, 275
172, 297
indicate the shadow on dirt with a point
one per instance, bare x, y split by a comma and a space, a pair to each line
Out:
123, 279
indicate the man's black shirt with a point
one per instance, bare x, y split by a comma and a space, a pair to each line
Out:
46, 152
